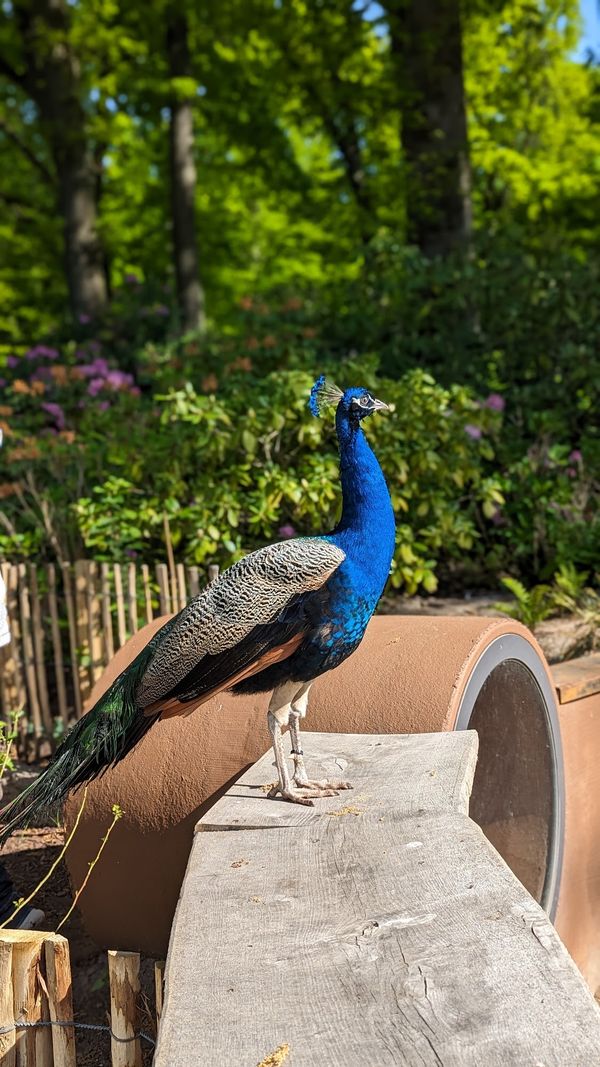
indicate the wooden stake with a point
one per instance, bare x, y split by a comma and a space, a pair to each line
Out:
109, 647
7, 1040
213, 572
159, 982
59, 670
94, 622
121, 630
124, 979
38, 651
147, 592
132, 597
82, 627
69, 601
193, 581
33, 1045
162, 577
171, 562
60, 999
25, 612
183, 599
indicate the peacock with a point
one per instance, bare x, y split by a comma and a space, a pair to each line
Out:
274, 621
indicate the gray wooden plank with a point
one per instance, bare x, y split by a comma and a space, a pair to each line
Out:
401, 772
373, 938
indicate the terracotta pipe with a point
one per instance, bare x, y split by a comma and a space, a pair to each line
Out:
411, 674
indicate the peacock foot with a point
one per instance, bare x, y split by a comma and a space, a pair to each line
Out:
304, 794
322, 788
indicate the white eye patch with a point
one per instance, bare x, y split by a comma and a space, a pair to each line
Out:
361, 401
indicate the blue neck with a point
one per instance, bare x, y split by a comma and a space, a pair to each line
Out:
366, 530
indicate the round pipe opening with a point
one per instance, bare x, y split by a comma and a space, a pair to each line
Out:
518, 790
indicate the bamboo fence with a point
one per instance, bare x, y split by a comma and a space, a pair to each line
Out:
67, 622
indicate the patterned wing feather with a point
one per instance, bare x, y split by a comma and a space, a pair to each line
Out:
219, 624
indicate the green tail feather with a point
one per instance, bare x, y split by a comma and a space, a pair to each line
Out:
102, 737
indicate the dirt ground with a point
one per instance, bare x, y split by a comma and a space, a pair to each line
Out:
28, 855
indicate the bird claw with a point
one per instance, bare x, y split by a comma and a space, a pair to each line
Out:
323, 788
295, 796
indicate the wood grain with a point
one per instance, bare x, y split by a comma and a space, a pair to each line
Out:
379, 928
577, 678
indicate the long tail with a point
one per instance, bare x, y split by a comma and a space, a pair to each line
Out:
103, 736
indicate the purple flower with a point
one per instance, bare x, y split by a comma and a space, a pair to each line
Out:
473, 432
103, 405
575, 456
131, 552
42, 352
287, 530
12, 361
84, 319
132, 279
93, 370
495, 402
95, 386
498, 518
118, 379
56, 412
161, 309
571, 472
135, 390
2, 383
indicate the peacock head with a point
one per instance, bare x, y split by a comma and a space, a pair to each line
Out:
355, 403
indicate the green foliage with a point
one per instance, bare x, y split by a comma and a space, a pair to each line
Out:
235, 466
530, 606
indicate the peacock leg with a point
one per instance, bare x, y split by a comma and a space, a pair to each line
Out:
301, 779
280, 710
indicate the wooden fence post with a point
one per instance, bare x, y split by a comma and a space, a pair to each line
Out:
59, 671
7, 1040
60, 999
33, 1046
124, 980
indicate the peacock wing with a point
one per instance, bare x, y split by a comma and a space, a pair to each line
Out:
248, 613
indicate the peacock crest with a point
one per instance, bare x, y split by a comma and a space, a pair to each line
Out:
323, 394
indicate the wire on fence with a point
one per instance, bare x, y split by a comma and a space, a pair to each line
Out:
79, 1026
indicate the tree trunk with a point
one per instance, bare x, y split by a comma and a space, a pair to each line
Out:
427, 49
183, 180
52, 79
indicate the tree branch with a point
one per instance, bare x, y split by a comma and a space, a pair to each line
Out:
26, 151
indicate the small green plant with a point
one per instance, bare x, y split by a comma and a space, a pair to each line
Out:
9, 732
571, 594
117, 814
530, 606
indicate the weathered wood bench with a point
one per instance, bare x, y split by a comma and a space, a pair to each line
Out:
379, 927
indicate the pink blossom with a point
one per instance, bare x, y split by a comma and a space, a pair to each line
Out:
132, 279
575, 456
56, 412
84, 319
571, 472
103, 405
12, 361
135, 390
287, 530
495, 402
118, 379
2, 383
95, 386
474, 432
93, 370
161, 309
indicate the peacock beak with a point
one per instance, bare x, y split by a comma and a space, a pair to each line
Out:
378, 405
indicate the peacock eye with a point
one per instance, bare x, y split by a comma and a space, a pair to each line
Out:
364, 400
